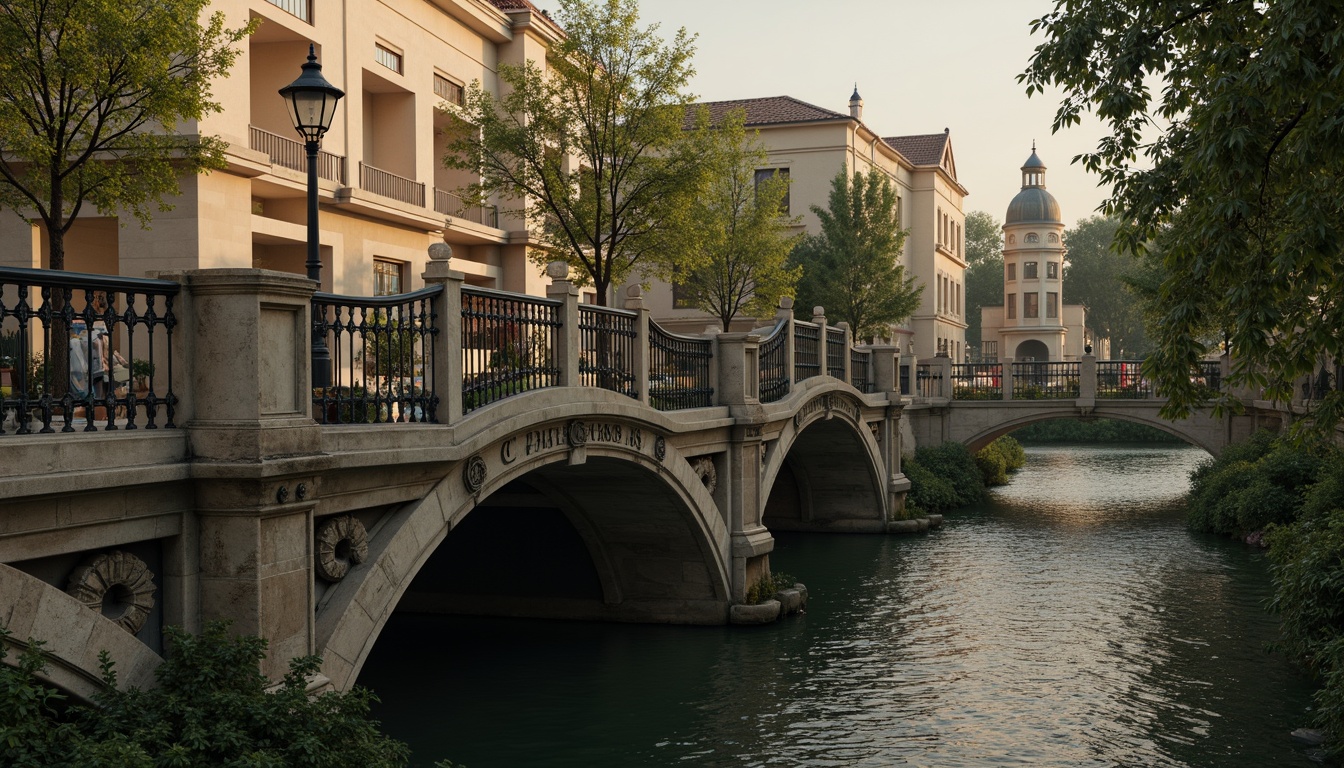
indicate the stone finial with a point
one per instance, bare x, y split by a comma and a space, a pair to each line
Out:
558, 270
634, 291
786, 302
818, 311
440, 252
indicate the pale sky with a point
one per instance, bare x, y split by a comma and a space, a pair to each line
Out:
921, 66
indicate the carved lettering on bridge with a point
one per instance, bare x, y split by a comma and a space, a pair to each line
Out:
830, 403
552, 438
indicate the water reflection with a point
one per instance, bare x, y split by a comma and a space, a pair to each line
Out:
1069, 621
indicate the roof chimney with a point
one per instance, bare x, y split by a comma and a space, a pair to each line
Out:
856, 104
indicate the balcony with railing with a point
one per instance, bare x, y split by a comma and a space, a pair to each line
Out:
292, 154
390, 185
450, 204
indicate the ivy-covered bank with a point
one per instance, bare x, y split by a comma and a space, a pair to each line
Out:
1289, 497
948, 476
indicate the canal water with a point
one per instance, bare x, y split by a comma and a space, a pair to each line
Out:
1070, 620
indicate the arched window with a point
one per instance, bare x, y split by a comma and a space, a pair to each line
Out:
1054, 238
1032, 237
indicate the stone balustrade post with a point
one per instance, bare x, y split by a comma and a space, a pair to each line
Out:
1006, 378
847, 366
634, 301
447, 371
739, 376
1087, 382
943, 364
568, 344
785, 315
885, 368
819, 319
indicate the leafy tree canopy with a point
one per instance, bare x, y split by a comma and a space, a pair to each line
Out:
91, 92
593, 148
984, 237
1226, 150
1097, 276
853, 267
984, 276
741, 240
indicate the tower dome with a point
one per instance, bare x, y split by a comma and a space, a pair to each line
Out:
1033, 203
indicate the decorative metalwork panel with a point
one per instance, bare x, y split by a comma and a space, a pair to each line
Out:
508, 345
679, 371
835, 352
607, 349
1045, 381
1122, 380
774, 365
382, 358
82, 352
860, 367
1211, 374
977, 381
806, 355
905, 379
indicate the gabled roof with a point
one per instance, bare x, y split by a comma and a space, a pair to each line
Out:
770, 110
926, 149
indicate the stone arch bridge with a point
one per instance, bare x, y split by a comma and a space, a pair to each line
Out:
465, 450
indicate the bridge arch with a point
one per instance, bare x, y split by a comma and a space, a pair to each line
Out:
654, 535
824, 473
1199, 438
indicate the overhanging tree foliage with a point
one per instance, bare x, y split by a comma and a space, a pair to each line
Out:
91, 92
984, 275
1226, 150
1098, 277
853, 267
741, 240
592, 149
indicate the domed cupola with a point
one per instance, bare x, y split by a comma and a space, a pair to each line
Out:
1033, 203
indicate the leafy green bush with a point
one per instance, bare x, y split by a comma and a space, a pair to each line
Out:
998, 459
941, 478
211, 707
1094, 431
1252, 485
766, 587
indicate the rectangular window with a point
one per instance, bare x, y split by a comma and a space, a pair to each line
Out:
1012, 271
447, 90
1029, 270
387, 57
299, 8
386, 277
1052, 270
1010, 302
764, 173
1052, 305
1031, 305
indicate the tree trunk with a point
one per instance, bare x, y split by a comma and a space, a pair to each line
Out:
58, 349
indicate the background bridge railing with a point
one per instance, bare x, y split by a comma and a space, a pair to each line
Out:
679, 370
84, 352
1046, 381
977, 381
509, 345
607, 337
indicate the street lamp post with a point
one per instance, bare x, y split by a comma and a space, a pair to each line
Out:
312, 105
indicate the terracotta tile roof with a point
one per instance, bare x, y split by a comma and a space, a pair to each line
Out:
926, 149
769, 110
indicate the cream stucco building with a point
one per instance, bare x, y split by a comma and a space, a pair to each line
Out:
810, 145
1033, 324
384, 193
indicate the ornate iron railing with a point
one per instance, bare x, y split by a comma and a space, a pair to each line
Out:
860, 366
928, 380
806, 355
508, 345
977, 381
292, 154
835, 352
82, 352
1122, 380
773, 364
1045, 381
679, 371
1211, 373
387, 184
607, 349
905, 379
382, 358
450, 204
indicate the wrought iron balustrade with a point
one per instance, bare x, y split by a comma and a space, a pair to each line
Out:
292, 154
679, 370
84, 352
508, 345
607, 349
806, 355
388, 184
450, 204
1045, 381
1211, 375
1122, 380
928, 380
382, 358
773, 364
905, 379
977, 381
860, 367
835, 352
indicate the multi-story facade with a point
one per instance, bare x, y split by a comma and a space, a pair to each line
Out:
385, 194
810, 145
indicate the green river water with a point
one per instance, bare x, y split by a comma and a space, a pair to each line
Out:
1070, 620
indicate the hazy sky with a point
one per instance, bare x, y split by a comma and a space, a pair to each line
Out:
921, 66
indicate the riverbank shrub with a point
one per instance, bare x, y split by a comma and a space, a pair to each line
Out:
942, 477
1095, 431
211, 707
999, 459
1254, 484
